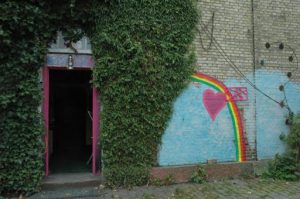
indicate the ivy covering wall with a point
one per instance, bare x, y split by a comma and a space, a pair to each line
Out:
143, 61
23, 44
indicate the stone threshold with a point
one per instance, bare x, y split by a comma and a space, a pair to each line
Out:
71, 180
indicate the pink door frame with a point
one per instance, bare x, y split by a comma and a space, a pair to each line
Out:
96, 119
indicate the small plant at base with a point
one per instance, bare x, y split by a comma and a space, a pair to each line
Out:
155, 181
199, 176
287, 166
169, 179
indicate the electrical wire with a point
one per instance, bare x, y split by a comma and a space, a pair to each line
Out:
235, 68
211, 34
293, 55
290, 79
286, 101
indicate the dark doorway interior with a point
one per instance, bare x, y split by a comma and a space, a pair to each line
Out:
70, 136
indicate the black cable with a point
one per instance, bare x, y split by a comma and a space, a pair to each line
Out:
290, 79
232, 65
293, 55
230, 61
212, 33
297, 67
223, 53
286, 101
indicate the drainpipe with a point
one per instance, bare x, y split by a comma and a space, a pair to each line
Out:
253, 75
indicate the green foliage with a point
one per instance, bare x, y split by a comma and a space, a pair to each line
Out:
199, 176
168, 180
287, 166
26, 29
23, 44
142, 64
126, 176
156, 181
143, 61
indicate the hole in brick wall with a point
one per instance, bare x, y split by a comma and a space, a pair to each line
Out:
268, 45
281, 46
289, 74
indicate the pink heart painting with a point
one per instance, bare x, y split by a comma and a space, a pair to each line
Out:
213, 102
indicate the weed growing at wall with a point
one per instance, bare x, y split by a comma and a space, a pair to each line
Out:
287, 166
199, 176
142, 63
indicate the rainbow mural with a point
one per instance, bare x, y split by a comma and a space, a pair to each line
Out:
234, 112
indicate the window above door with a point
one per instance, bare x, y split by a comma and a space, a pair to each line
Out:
83, 46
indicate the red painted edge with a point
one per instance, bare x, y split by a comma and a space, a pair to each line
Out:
46, 116
95, 130
96, 119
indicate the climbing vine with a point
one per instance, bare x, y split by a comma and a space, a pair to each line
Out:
143, 61
26, 29
23, 44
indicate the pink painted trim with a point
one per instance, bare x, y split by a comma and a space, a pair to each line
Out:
96, 119
95, 131
46, 116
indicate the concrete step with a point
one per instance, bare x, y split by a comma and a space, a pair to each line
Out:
71, 180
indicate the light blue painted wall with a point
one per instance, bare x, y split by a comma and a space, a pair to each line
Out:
270, 117
191, 136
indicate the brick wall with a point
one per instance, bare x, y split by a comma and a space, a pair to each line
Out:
274, 21
241, 30
233, 33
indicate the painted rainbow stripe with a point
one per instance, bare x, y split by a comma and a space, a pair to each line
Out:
234, 112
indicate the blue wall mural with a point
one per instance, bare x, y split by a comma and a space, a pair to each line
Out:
192, 137
270, 118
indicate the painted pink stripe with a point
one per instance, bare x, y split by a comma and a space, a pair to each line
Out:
95, 131
46, 116
96, 120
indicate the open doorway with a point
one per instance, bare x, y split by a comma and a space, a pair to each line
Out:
70, 121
